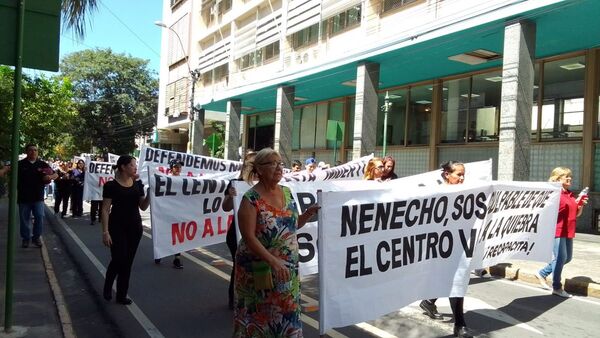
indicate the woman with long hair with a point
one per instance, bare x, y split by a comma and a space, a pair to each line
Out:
374, 169
227, 205
123, 198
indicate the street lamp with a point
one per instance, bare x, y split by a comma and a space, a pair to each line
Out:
194, 75
387, 104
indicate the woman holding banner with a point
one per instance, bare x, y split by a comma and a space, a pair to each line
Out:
122, 225
374, 169
453, 172
175, 170
227, 205
568, 210
267, 285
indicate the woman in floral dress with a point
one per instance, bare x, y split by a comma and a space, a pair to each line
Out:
267, 285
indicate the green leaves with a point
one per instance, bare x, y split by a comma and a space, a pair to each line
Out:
47, 111
116, 95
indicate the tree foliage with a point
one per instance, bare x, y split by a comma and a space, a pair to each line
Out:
47, 112
116, 95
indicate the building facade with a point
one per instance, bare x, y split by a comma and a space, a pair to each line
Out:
425, 81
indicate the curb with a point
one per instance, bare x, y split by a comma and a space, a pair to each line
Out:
61, 306
579, 285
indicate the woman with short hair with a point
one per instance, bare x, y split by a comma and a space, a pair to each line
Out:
267, 284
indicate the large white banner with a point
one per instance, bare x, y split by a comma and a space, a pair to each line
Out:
193, 165
350, 170
381, 250
96, 175
186, 213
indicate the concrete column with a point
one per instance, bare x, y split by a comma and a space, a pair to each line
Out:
244, 133
232, 129
517, 100
197, 133
365, 112
284, 122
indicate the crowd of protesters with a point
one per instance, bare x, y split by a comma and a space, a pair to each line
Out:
268, 221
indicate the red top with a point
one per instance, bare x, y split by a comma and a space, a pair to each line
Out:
567, 215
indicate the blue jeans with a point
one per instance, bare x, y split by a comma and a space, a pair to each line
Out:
25, 211
563, 252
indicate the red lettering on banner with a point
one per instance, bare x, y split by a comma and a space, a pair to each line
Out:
208, 228
179, 232
227, 224
102, 180
162, 170
190, 174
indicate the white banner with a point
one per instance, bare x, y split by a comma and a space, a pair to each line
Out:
389, 248
186, 213
193, 165
349, 170
96, 175
112, 158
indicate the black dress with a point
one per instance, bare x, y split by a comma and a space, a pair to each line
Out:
125, 229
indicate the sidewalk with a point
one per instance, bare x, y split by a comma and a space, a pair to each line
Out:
581, 276
38, 309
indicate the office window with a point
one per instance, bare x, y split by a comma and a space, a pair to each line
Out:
350, 122
259, 57
562, 103
307, 127
455, 100
336, 114
390, 5
305, 37
419, 115
396, 122
342, 21
534, 106
484, 107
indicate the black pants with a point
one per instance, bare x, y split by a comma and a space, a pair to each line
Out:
77, 200
124, 246
95, 210
232, 245
456, 304
63, 197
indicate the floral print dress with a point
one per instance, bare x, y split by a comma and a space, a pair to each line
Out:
273, 312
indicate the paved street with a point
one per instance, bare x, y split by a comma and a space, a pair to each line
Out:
193, 302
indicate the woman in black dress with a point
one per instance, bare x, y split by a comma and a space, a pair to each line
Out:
122, 225
231, 239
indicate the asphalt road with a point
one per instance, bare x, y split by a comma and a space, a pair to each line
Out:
193, 302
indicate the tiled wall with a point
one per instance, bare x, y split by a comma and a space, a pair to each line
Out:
545, 157
470, 154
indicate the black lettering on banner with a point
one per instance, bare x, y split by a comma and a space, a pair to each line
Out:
482, 207
407, 219
446, 244
382, 266
348, 220
305, 200
468, 247
158, 192
440, 209
305, 243
382, 216
397, 214
365, 216
350, 261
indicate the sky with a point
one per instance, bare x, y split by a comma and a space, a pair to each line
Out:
125, 26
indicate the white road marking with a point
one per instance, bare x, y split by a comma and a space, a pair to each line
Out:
137, 313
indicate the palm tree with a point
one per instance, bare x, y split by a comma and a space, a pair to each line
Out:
75, 13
